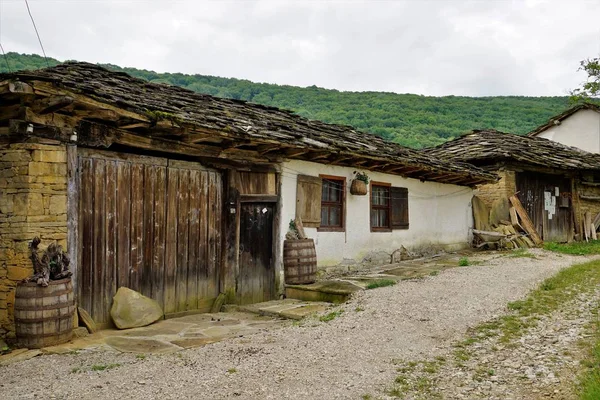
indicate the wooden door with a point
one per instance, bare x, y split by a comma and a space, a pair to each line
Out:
257, 273
547, 200
149, 224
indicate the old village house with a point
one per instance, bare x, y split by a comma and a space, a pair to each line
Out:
556, 184
183, 196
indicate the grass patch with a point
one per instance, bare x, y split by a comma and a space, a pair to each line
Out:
521, 253
140, 356
104, 367
359, 309
575, 248
434, 273
590, 381
330, 316
464, 262
548, 297
381, 283
231, 370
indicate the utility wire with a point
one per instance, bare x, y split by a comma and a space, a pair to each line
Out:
5, 58
37, 33
1, 47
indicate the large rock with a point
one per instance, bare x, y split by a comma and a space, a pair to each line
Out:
131, 309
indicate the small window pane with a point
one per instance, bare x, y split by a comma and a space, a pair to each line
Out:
334, 192
324, 216
325, 191
335, 218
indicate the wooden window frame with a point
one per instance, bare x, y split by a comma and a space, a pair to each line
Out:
388, 207
341, 228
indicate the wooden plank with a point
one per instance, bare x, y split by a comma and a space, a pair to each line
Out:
137, 226
212, 287
73, 215
202, 253
308, 200
194, 223
98, 311
110, 224
526, 221
596, 221
219, 232
132, 158
183, 216
123, 223
171, 241
587, 221
149, 189
160, 216
87, 226
593, 230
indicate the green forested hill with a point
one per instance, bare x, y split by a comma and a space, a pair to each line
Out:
412, 120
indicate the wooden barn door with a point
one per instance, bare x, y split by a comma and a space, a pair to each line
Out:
546, 199
257, 274
149, 224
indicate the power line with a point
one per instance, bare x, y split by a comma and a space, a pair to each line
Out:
5, 58
37, 33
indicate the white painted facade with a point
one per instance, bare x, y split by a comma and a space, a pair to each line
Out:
439, 215
581, 129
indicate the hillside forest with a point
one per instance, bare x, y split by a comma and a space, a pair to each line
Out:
412, 120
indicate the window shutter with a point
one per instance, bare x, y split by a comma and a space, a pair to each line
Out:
399, 208
308, 200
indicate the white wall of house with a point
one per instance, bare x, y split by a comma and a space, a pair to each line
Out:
439, 215
581, 129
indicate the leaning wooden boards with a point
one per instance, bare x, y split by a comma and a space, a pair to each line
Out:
525, 220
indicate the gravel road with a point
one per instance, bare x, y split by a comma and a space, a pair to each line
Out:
342, 359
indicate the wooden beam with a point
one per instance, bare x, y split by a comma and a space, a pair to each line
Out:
26, 129
107, 115
41, 87
135, 125
51, 104
290, 152
267, 148
50, 119
202, 137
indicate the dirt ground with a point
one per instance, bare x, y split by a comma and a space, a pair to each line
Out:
351, 354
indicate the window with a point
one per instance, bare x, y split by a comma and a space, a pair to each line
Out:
380, 207
333, 192
389, 207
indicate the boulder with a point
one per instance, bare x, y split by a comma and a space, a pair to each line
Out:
131, 309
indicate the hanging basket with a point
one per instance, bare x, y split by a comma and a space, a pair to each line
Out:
358, 187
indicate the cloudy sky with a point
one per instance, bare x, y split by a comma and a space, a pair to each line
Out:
473, 48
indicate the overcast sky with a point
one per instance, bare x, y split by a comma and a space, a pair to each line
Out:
476, 48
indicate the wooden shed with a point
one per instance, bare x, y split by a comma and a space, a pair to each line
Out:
166, 191
556, 184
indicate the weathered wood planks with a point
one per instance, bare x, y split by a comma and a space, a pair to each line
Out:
152, 227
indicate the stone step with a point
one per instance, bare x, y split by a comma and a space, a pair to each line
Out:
287, 308
331, 291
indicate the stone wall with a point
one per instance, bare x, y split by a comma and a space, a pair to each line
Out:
33, 202
505, 187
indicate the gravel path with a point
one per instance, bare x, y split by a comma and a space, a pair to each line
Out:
345, 358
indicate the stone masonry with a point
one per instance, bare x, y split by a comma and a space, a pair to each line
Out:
505, 187
33, 202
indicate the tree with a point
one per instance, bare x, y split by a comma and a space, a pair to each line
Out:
590, 88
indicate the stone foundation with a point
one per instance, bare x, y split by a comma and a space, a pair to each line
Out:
33, 202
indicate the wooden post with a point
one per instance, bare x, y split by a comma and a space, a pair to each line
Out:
231, 239
73, 215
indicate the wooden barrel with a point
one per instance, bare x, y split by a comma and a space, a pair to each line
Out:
44, 315
299, 261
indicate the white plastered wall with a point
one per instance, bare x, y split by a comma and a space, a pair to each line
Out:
581, 130
439, 215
